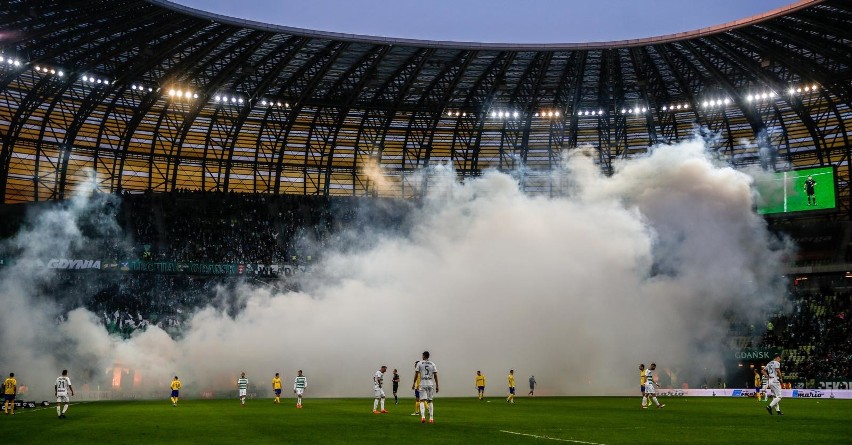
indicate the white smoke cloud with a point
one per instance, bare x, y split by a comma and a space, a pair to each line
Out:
638, 267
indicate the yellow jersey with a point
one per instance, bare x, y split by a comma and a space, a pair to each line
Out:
10, 385
511, 380
642, 378
416, 381
480, 380
175, 385
276, 383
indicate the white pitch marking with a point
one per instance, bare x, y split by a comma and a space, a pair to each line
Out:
549, 438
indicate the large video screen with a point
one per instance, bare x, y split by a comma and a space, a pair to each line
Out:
797, 191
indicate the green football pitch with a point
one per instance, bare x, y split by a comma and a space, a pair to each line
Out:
581, 420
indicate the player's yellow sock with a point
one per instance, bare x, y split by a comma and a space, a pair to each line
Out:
416, 407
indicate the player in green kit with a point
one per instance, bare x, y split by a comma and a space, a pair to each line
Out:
242, 384
299, 386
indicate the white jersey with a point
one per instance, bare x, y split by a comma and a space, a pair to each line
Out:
772, 368
63, 383
649, 378
378, 378
427, 371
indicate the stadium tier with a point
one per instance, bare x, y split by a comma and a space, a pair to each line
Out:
192, 156
151, 95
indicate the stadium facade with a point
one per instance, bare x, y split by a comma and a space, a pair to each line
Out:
151, 95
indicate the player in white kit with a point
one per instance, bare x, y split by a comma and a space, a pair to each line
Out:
427, 372
379, 393
773, 372
650, 388
61, 389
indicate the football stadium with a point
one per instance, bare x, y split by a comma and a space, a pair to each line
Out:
216, 229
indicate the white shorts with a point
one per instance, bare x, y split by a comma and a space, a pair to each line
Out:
649, 389
62, 398
775, 388
299, 391
426, 392
380, 393
242, 393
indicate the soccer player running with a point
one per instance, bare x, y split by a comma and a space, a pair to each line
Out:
242, 384
480, 385
427, 373
650, 388
773, 372
10, 388
642, 379
176, 386
61, 389
276, 388
299, 386
532, 386
395, 382
511, 378
378, 378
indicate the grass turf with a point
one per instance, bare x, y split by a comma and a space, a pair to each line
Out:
590, 420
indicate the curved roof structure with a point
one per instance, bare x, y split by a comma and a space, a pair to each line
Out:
153, 95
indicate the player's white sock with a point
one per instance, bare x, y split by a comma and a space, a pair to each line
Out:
375, 404
774, 404
422, 410
299, 400
383, 404
64, 408
644, 400
432, 410
656, 402
58, 409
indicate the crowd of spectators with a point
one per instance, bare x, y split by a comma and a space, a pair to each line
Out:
220, 228
815, 335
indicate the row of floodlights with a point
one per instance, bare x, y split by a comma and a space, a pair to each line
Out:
181, 94
10, 61
94, 80
142, 88
50, 71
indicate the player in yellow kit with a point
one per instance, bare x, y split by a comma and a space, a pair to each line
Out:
511, 398
642, 379
480, 385
10, 388
276, 387
175, 390
416, 392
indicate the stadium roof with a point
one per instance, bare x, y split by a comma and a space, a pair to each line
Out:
154, 95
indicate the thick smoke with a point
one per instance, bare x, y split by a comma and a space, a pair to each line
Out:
645, 265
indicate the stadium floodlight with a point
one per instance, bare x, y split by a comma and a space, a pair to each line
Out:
623, 111
749, 98
195, 95
60, 73
279, 104
814, 87
240, 100
536, 114
263, 102
644, 109
171, 92
665, 108
286, 104
791, 91
515, 115
218, 98
727, 101
550, 114
799, 90
556, 113
17, 63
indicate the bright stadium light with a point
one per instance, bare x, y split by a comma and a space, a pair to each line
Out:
549, 114
556, 113
515, 115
